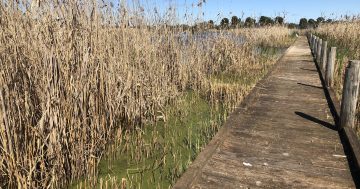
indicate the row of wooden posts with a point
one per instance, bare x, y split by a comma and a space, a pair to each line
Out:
326, 58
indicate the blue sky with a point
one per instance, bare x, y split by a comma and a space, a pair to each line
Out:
294, 10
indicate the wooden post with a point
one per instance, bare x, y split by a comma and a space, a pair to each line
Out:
312, 43
324, 56
329, 76
350, 95
318, 56
315, 46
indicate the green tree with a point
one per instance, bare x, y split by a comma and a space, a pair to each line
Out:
279, 20
224, 23
265, 21
249, 22
312, 23
235, 21
320, 20
211, 24
292, 26
303, 23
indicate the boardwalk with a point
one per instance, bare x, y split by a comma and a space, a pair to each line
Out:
282, 136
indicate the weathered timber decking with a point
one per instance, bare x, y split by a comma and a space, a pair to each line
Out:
284, 129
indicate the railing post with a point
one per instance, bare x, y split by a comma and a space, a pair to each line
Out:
312, 43
329, 76
350, 95
318, 56
315, 46
324, 56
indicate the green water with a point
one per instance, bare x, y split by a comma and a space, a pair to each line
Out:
156, 155
179, 140
167, 148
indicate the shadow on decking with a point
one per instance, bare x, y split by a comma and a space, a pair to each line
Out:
355, 171
316, 120
306, 69
307, 85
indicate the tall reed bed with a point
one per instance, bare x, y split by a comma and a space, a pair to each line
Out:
345, 35
76, 76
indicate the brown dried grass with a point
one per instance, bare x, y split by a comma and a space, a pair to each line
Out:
70, 80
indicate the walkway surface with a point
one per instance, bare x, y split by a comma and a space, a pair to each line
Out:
282, 136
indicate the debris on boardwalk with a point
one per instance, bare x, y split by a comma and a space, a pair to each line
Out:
247, 164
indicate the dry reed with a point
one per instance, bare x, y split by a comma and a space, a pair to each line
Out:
74, 76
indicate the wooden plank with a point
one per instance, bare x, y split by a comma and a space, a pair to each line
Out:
194, 170
353, 141
274, 176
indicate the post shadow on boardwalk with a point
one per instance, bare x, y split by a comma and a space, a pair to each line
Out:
307, 85
355, 170
316, 120
310, 70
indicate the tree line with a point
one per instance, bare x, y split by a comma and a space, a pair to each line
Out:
236, 22
312, 23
